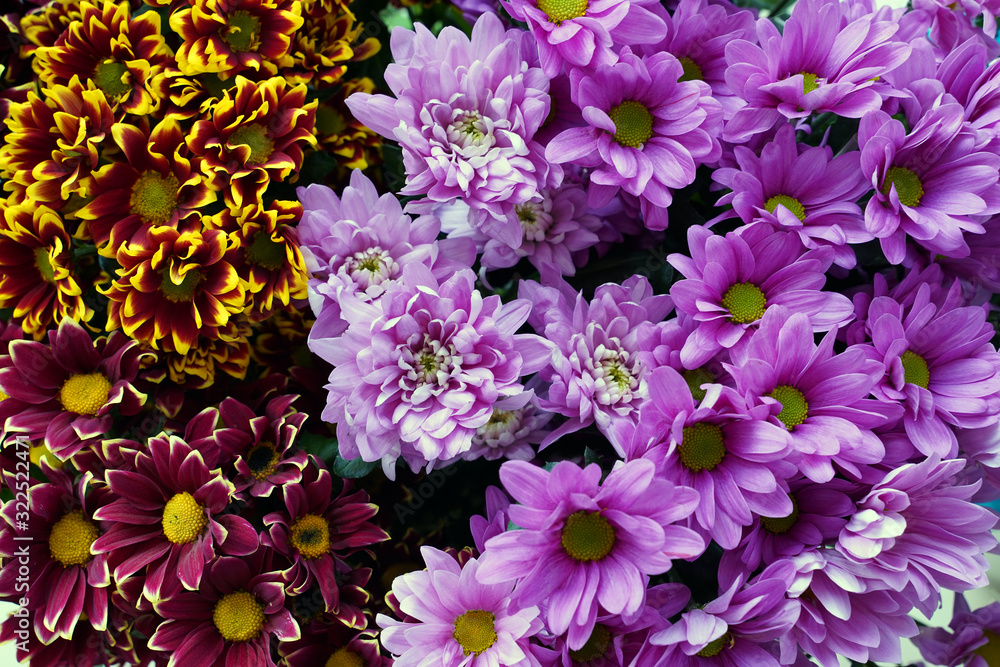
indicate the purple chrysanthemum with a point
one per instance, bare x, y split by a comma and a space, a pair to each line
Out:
465, 113
456, 620
516, 424
583, 543
647, 132
973, 640
419, 370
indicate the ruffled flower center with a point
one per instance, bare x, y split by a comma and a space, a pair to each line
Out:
633, 123
909, 189
563, 10
262, 460
311, 536
469, 129
435, 363
745, 303
255, 136
475, 631
702, 447
715, 647
108, 77
345, 658
783, 524
534, 220
238, 617
241, 33
183, 518
183, 291
587, 536
85, 394
371, 267
915, 369
501, 429
266, 252
44, 265
695, 378
794, 408
154, 198
596, 646
615, 375
70, 539
809, 82
792, 204
990, 651
692, 70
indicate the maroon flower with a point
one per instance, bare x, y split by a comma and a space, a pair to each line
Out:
333, 644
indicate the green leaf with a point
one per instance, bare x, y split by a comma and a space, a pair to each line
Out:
321, 446
352, 469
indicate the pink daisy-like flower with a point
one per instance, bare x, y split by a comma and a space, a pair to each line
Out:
167, 516
455, 620
584, 544
230, 620
647, 132
730, 281
66, 391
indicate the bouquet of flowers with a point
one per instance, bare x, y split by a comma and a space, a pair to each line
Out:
502, 333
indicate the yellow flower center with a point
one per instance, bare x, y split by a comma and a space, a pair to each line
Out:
694, 379
311, 536
345, 658
692, 71
596, 646
238, 617
3, 396
808, 82
915, 369
702, 447
154, 198
184, 291
587, 536
745, 303
108, 77
990, 651
563, 10
70, 539
790, 203
783, 524
909, 189
265, 252
262, 460
633, 124
715, 647
183, 518
85, 394
44, 265
255, 136
241, 32
794, 408
475, 631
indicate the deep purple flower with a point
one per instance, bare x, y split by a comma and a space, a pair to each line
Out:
647, 132
972, 641
584, 544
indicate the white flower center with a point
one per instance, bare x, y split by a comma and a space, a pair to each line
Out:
502, 429
433, 364
371, 267
535, 219
616, 377
469, 129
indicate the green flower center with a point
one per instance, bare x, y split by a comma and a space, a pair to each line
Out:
184, 291
745, 303
70, 539
915, 369
262, 460
563, 10
790, 203
238, 617
702, 447
715, 647
329, 121
990, 651
808, 82
794, 408
909, 189
266, 252
694, 379
255, 136
44, 265
633, 123
596, 646
781, 525
587, 536
183, 518
475, 631
692, 71
108, 77
345, 658
311, 536
242, 31
154, 198
85, 394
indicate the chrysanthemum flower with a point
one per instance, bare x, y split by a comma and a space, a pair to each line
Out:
156, 184
335, 644
326, 43
111, 51
801, 189
67, 390
66, 580
972, 641
43, 27
318, 529
647, 131
54, 144
174, 286
823, 61
455, 619
255, 135
197, 368
231, 619
515, 425
230, 36
583, 543
37, 276
168, 516
731, 280
930, 184
340, 133
465, 113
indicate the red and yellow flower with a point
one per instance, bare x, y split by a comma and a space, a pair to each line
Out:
326, 43
340, 133
174, 286
43, 27
197, 368
157, 183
